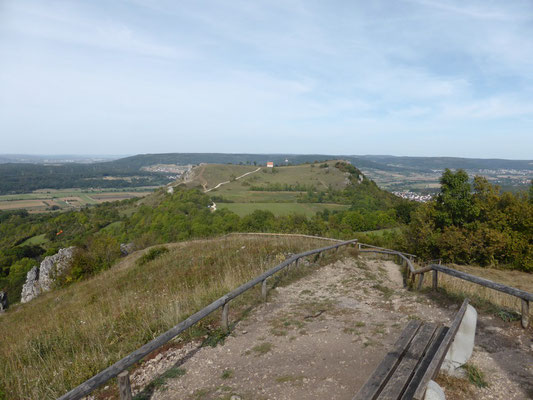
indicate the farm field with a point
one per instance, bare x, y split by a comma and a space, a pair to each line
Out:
49, 200
308, 209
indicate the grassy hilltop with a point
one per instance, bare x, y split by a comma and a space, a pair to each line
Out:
282, 190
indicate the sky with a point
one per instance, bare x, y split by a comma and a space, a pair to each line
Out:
400, 77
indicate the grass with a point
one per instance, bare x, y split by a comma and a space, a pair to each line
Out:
227, 374
279, 209
262, 349
152, 254
64, 337
386, 291
289, 379
213, 174
160, 382
239, 191
36, 240
475, 375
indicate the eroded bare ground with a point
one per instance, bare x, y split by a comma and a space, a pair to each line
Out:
322, 336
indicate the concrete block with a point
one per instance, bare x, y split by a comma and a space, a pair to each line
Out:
434, 392
461, 348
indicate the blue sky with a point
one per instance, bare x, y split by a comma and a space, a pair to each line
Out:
402, 77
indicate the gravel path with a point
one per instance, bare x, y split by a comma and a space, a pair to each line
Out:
322, 336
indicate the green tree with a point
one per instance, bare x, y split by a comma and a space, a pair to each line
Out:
455, 204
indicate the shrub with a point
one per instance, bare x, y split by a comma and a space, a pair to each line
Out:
152, 254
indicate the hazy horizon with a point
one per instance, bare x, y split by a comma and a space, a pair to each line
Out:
415, 78
117, 156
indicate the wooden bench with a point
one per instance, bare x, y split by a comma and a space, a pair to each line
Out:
415, 359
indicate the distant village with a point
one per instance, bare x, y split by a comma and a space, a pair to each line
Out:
422, 198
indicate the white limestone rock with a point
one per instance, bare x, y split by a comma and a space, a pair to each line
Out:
41, 279
3, 302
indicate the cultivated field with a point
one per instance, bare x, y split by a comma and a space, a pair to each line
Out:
45, 200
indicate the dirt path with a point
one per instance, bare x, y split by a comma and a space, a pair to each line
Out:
226, 182
322, 336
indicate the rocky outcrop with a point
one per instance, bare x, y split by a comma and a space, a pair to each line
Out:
41, 279
127, 248
3, 302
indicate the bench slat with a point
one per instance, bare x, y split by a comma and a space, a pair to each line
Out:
405, 370
436, 362
374, 384
421, 369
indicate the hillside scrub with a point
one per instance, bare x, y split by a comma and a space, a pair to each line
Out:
98, 231
473, 224
100, 320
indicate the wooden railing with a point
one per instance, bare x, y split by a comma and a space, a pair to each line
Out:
524, 296
407, 260
120, 368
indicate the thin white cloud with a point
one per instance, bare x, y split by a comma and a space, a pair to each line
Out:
483, 11
282, 72
68, 25
489, 109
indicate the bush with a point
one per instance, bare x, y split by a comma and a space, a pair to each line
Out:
152, 254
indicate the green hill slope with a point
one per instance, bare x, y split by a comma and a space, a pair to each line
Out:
333, 185
96, 322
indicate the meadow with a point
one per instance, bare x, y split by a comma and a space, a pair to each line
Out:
241, 196
307, 209
64, 337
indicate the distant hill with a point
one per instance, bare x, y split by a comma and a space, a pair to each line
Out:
22, 173
55, 159
141, 160
432, 163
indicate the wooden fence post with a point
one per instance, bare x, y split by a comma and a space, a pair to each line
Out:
525, 313
435, 279
421, 281
225, 322
124, 385
264, 290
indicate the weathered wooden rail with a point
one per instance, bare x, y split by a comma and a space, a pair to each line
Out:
120, 368
524, 296
407, 259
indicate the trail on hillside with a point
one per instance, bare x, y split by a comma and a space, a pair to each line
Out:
226, 182
323, 335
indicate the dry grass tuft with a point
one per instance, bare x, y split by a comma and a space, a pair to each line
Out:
64, 337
